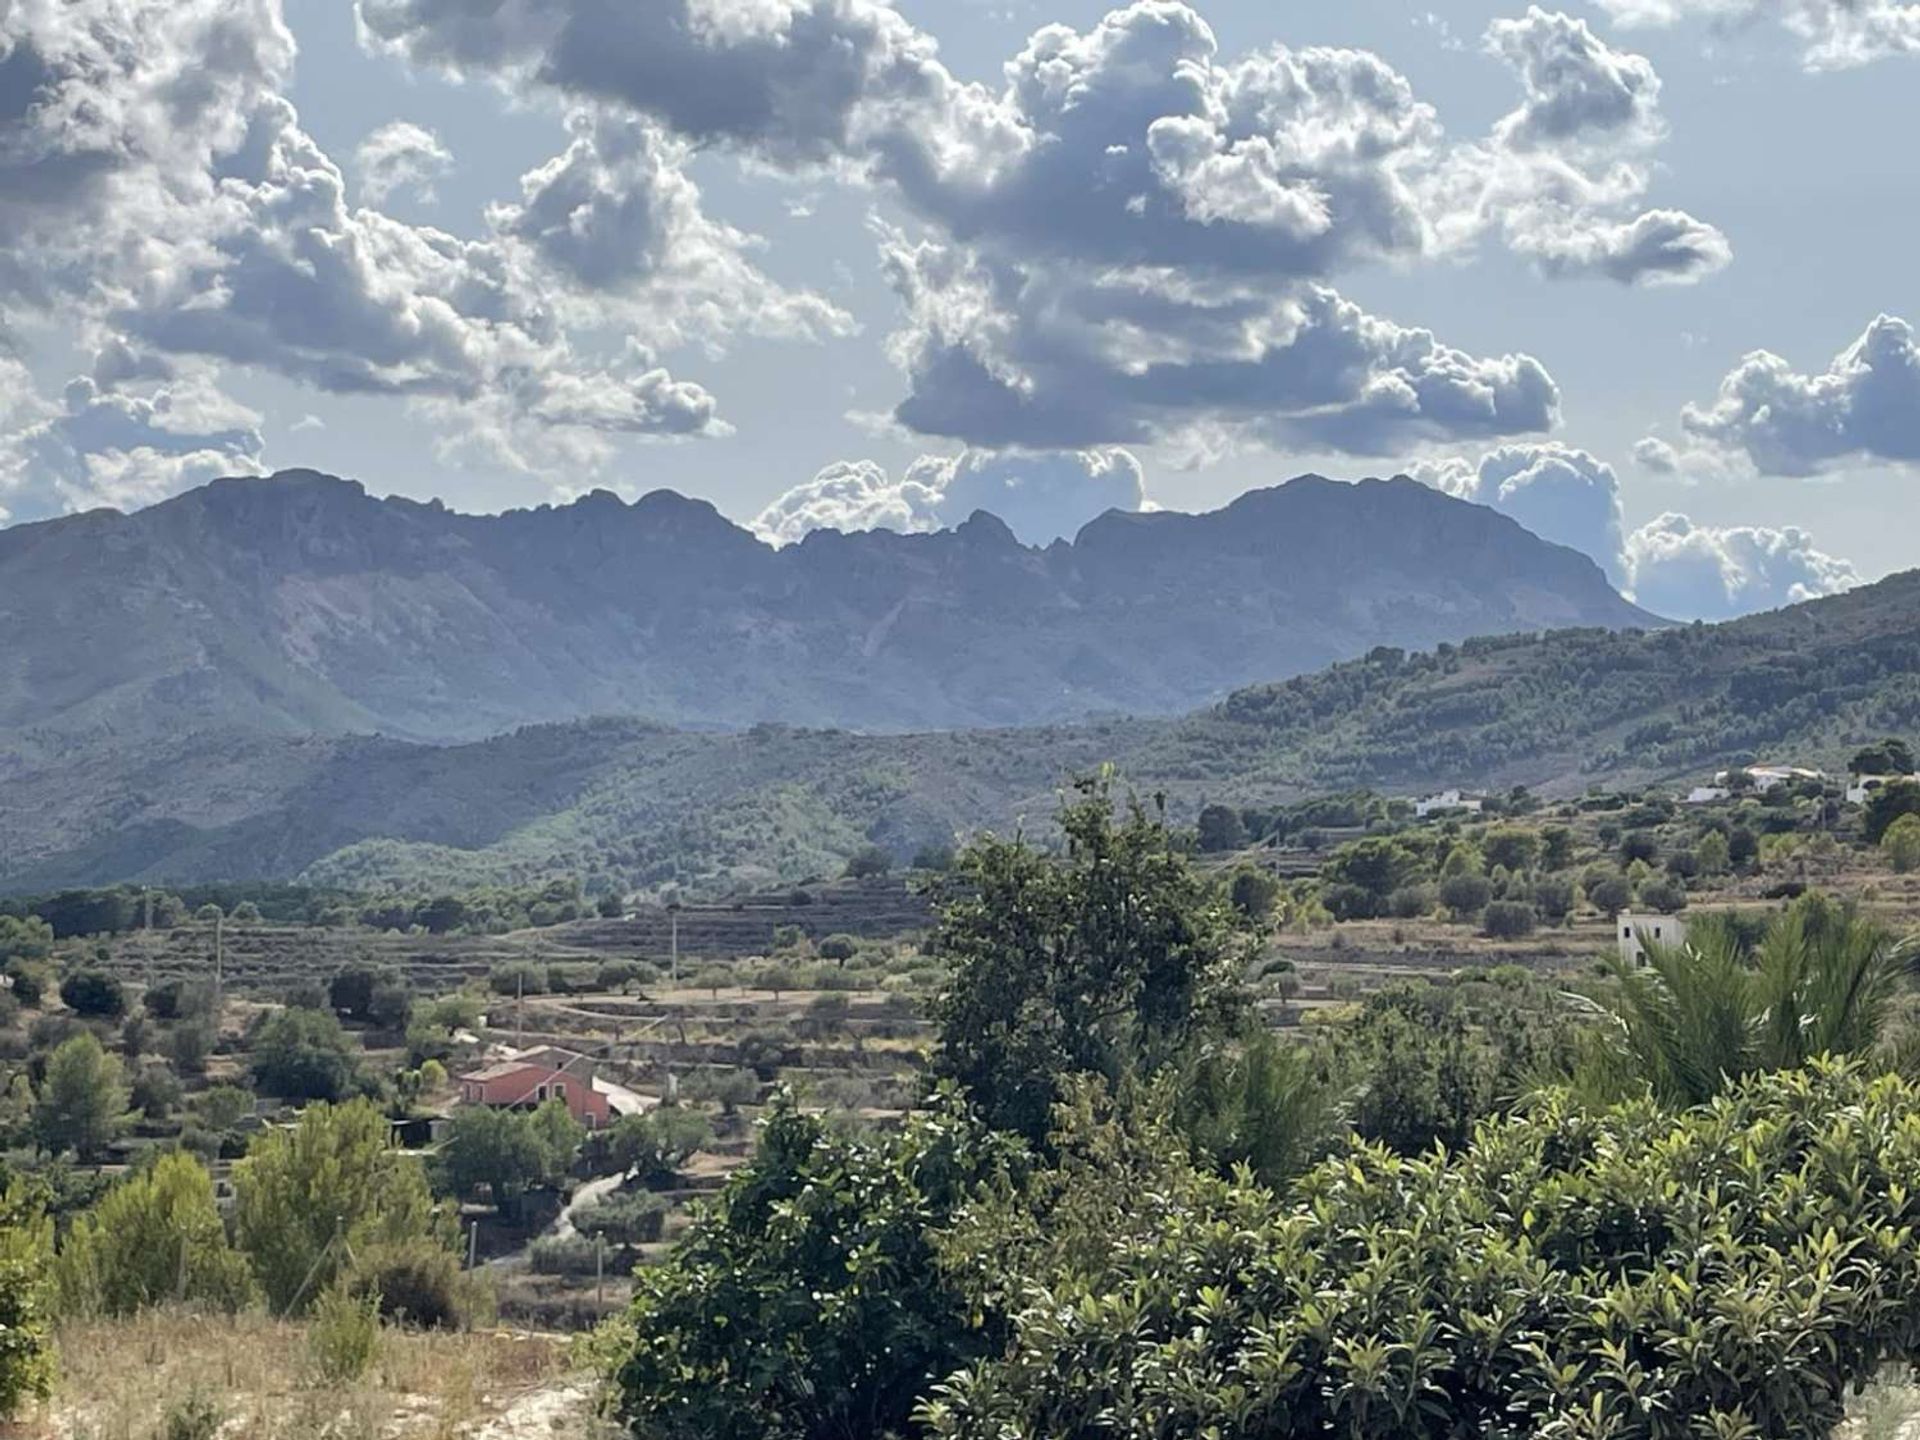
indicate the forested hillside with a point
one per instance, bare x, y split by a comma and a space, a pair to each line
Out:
646, 805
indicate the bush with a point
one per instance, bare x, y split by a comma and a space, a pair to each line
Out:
1411, 902
1509, 920
634, 1218
415, 1282
1552, 1281
1466, 895
573, 1255
1669, 897
1611, 895
26, 1335
869, 863
154, 1238
343, 1335
94, 994
1901, 844
1553, 898
197, 1417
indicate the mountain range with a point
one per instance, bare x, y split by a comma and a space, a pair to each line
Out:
97, 790
301, 605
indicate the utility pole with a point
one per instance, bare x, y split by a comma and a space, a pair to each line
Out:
519, 1009
219, 961
673, 923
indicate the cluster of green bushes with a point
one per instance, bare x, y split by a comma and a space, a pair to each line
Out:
1130, 1216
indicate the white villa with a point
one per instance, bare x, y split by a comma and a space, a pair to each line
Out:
1708, 794
1767, 777
1448, 802
1860, 788
1639, 931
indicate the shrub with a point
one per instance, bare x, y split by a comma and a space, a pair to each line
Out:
94, 994
1611, 895
1667, 896
1509, 920
1553, 898
573, 1255
1552, 1281
343, 1335
1411, 902
197, 1417
635, 1218
1466, 895
154, 1238
415, 1282
1901, 844
869, 863
26, 1336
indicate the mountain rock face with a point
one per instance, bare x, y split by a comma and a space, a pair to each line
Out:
299, 605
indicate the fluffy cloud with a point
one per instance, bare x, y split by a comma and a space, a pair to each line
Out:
1864, 406
1835, 34
128, 449
1561, 175
1131, 239
616, 216
401, 156
1671, 566
1041, 496
800, 80
1560, 493
1696, 572
158, 193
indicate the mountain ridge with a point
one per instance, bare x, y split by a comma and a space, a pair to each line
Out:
637, 804
302, 604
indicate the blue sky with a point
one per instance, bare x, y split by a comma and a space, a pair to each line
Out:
504, 253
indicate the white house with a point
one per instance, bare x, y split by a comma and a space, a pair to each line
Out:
1447, 802
1639, 931
1861, 787
1767, 777
1708, 794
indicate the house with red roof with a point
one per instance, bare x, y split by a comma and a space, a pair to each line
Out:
530, 1078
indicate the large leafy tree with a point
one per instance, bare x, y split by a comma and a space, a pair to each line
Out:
508, 1152
809, 1303
306, 1199
1110, 959
303, 1054
1730, 1271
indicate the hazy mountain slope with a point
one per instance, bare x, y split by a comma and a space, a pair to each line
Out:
301, 605
650, 804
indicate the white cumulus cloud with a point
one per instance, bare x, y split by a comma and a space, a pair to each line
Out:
1698, 572
1833, 34
401, 156
1041, 496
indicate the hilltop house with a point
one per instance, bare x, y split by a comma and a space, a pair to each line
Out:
1861, 788
1637, 932
529, 1078
1768, 777
1448, 802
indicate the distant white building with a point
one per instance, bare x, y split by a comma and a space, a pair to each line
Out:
1860, 788
1448, 802
1708, 794
1768, 777
1639, 931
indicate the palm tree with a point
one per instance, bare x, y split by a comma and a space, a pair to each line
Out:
1821, 980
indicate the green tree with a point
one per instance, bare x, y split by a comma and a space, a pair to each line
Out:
83, 1100
1466, 895
1556, 847
869, 863
305, 1199
24, 938
1714, 854
1511, 847
155, 1237
1888, 804
1263, 1103
94, 994
1901, 844
507, 1152
1888, 757
1221, 829
304, 1055
654, 1146
1254, 893
1110, 960
350, 992
26, 1334
808, 1301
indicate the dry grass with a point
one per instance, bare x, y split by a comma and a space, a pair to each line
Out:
123, 1380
